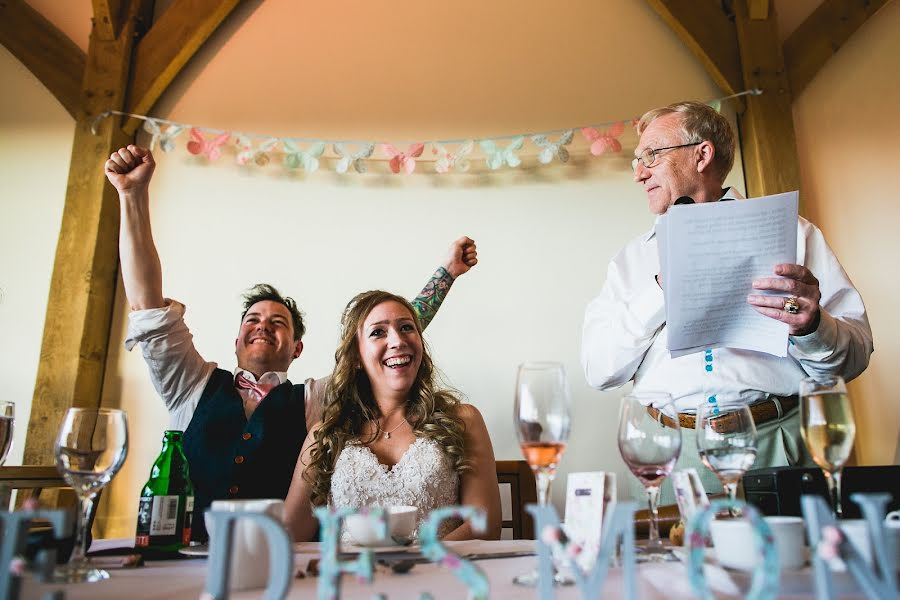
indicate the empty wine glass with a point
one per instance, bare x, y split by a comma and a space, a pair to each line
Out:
90, 448
7, 423
726, 441
543, 420
650, 442
828, 429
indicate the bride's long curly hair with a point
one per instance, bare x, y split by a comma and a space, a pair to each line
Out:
350, 403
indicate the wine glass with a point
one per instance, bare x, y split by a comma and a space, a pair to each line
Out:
726, 441
828, 429
90, 448
7, 422
543, 420
650, 442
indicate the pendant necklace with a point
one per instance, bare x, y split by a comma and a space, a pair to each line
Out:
387, 434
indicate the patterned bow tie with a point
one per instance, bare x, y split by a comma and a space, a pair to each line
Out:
262, 389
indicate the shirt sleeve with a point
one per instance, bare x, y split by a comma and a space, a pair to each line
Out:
842, 343
314, 390
620, 325
177, 370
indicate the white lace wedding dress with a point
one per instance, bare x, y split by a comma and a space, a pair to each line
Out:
423, 477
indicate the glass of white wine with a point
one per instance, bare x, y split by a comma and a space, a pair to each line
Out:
828, 429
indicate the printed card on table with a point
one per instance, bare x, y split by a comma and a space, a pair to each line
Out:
589, 497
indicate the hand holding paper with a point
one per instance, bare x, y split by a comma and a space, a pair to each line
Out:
796, 281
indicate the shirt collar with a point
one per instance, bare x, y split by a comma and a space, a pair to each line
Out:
273, 377
729, 193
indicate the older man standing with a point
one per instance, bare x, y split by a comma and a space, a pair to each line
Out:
684, 153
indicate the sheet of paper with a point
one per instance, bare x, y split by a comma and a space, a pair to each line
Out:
710, 253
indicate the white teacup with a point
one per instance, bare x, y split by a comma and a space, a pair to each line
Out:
735, 542
250, 549
857, 532
401, 525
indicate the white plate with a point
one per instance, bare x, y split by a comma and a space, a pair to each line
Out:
351, 548
201, 550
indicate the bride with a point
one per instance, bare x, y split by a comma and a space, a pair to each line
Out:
388, 436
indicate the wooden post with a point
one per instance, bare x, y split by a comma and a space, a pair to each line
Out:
768, 146
82, 288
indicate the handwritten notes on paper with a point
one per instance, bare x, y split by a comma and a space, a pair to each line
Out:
709, 255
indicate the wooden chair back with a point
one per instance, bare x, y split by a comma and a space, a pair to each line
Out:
517, 489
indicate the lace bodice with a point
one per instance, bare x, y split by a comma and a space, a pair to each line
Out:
423, 477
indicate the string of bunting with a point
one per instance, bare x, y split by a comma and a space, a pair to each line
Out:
402, 157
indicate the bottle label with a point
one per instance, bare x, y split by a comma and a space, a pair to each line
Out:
188, 518
164, 517
142, 537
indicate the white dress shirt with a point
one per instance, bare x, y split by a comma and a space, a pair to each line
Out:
180, 374
624, 335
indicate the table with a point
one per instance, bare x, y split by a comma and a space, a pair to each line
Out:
184, 579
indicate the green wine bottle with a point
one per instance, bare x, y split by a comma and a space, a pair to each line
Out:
167, 501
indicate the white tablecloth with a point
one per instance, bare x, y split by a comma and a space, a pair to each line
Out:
183, 580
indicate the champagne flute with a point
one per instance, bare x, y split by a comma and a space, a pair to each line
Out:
726, 441
650, 443
543, 421
7, 423
90, 448
828, 429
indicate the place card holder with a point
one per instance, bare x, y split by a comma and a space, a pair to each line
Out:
589, 497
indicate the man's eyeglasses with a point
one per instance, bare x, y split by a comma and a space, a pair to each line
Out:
650, 155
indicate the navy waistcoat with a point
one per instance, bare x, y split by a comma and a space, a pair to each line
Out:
230, 457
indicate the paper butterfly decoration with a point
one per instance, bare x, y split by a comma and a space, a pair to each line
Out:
604, 141
405, 161
210, 148
248, 154
308, 159
347, 157
165, 139
448, 160
495, 157
550, 149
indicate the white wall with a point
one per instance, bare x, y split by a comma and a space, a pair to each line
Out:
35, 148
544, 235
848, 129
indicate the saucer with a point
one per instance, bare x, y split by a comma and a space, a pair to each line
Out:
198, 550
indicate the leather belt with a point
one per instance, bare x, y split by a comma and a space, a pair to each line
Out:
763, 411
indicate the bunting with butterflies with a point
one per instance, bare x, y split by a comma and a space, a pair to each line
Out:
344, 156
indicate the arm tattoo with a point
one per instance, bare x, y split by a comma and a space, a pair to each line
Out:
432, 295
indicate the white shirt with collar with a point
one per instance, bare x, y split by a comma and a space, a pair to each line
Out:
180, 374
624, 334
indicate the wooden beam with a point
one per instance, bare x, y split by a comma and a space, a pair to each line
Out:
821, 35
83, 284
768, 146
107, 18
180, 31
49, 54
708, 32
759, 10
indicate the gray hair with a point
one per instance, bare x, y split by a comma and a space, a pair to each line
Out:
700, 122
